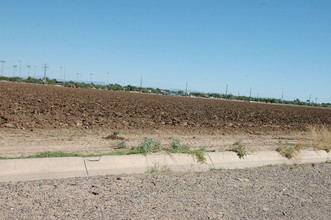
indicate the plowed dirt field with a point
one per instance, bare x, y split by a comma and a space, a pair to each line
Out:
38, 118
28, 106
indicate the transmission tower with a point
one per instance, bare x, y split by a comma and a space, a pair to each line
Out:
14, 70
45, 70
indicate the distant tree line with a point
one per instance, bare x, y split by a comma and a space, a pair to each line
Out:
130, 88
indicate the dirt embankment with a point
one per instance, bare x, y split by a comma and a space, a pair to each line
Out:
28, 106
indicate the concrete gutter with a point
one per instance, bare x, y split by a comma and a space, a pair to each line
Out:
54, 168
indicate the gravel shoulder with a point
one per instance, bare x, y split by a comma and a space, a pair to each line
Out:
278, 192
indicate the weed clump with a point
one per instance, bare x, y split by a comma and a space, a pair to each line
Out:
177, 146
289, 150
120, 145
240, 149
200, 155
149, 145
321, 138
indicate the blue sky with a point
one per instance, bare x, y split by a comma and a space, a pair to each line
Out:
267, 45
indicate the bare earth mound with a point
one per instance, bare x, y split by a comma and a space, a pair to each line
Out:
29, 106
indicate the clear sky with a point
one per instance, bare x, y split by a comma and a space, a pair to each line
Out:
267, 45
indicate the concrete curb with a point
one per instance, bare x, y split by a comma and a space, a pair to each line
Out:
54, 168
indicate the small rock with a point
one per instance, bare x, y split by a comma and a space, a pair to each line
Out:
9, 125
114, 136
95, 193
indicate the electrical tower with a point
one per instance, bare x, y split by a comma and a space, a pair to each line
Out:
45, 70
14, 70
28, 66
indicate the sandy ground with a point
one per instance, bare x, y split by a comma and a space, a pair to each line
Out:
280, 192
15, 143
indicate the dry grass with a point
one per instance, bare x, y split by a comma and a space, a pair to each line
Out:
289, 150
157, 168
240, 149
321, 137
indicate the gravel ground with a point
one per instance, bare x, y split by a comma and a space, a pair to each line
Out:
280, 192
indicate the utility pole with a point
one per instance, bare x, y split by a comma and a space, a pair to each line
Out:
141, 82
14, 71
316, 100
64, 73
91, 74
28, 66
45, 69
20, 67
186, 88
250, 93
282, 96
2, 62
309, 98
226, 91
77, 76
108, 78
60, 72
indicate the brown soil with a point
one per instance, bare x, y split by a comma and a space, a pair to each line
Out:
16, 143
28, 106
284, 192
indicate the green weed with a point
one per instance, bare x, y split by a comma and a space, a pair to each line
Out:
119, 145
149, 145
176, 145
240, 149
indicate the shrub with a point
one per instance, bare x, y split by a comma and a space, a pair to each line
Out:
240, 149
288, 150
177, 146
149, 145
120, 145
